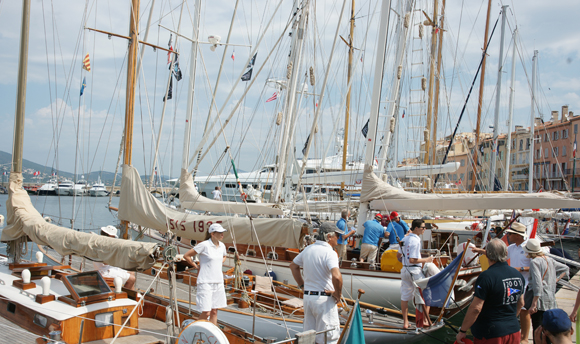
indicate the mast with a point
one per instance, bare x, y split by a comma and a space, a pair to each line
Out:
479, 104
437, 83
426, 160
130, 92
532, 119
21, 92
511, 116
494, 142
347, 112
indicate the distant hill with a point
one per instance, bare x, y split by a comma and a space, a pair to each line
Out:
29, 167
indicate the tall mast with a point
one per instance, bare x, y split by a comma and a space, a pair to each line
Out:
480, 102
349, 74
511, 116
21, 93
437, 83
130, 92
532, 119
494, 141
426, 160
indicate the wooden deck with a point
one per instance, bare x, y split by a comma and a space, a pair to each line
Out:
12, 333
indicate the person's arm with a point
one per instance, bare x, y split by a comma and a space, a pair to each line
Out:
520, 304
561, 268
421, 260
535, 283
189, 258
349, 234
470, 317
337, 283
478, 250
405, 227
574, 313
295, 268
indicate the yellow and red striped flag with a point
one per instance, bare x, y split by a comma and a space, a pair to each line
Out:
87, 63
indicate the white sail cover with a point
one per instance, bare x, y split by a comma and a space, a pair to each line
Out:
383, 196
139, 206
191, 199
325, 206
24, 220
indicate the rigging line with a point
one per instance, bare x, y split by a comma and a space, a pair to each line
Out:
467, 99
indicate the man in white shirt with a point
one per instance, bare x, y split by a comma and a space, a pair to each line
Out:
518, 259
217, 194
109, 271
322, 285
410, 256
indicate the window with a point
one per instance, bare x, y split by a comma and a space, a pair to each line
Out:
555, 152
521, 144
513, 158
538, 153
513, 144
565, 133
546, 137
462, 162
528, 143
546, 155
563, 150
538, 138
462, 176
575, 128
555, 136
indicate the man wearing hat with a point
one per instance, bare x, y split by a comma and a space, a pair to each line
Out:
374, 231
518, 259
109, 271
556, 328
397, 228
322, 284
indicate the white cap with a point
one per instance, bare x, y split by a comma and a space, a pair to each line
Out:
216, 227
110, 230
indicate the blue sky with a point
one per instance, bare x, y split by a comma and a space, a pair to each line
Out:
58, 43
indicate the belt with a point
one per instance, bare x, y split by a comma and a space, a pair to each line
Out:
412, 266
321, 293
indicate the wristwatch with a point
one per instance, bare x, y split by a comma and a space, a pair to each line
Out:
301, 286
460, 330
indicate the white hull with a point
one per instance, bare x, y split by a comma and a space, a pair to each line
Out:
98, 193
63, 191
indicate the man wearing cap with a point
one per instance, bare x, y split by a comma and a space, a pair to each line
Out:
322, 285
397, 228
518, 259
556, 328
342, 224
374, 231
211, 293
497, 301
108, 271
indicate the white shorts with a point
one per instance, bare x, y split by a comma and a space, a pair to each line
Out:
408, 290
370, 251
321, 313
211, 296
113, 271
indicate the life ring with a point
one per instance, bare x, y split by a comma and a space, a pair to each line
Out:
244, 196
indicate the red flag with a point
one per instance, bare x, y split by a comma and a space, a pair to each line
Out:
273, 97
87, 63
234, 55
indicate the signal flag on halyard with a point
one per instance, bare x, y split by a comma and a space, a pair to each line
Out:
435, 288
83, 85
273, 97
355, 332
234, 55
574, 151
170, 48
170, 91
248, 75
87, 63
365, 129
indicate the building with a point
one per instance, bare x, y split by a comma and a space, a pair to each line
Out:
486, 152
519, 159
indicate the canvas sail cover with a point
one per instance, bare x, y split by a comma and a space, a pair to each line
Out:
383, 196
191, 199
139, 206
24, 220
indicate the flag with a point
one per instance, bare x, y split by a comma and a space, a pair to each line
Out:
83, 85
355, 332
273, 97
37, 173
512, 291
170, 49
176, 69
234, 55
4, 173
435, 288
574, 151
566, 228
252, 61
170, 92
403, 114
365, 129
305, 145
87, 63
248, 75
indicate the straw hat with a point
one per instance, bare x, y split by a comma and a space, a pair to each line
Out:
517, 228
110, 230
533, 246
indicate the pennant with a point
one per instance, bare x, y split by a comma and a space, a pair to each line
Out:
305, 145
355, 333
83, 85
170, 49
176, 69
247, 75
234, 55
252, 61
273, 97
170, 92
365, 129
87, 63
403, 114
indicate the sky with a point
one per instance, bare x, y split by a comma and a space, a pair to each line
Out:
83, 133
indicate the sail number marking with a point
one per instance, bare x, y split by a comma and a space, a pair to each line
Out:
198, 226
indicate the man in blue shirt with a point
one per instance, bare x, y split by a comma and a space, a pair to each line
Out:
374, 231
342, 224
397, 228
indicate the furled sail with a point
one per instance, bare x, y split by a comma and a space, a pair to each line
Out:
24, 220
191, 199
383, 196
139, 206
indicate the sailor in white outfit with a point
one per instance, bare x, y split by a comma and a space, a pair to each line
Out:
128, 278
322, 285
410, 256
211, 293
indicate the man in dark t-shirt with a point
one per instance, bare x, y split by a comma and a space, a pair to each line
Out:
498, 299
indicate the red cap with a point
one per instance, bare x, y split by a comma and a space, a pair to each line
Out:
394, 214
379, 216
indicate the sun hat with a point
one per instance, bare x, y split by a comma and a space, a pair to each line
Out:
556, 321
110, 230
216, 227
517, 228
533, 246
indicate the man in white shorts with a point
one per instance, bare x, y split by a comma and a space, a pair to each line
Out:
518, 259
108, 271
410, 256
322, 285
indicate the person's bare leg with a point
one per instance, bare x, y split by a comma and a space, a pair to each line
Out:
213, 316
426, 318
405, 311
130, 284
204, 315
525, 324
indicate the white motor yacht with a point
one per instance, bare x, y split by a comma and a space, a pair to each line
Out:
64, 188
48, 188
80, 188
98, 189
